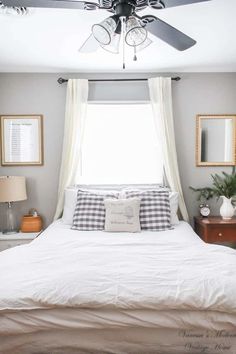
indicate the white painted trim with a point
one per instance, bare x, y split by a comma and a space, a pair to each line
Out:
19, 236
118, 102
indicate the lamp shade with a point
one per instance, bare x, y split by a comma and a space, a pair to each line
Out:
135, 32
114, 45
103, 31
12, 188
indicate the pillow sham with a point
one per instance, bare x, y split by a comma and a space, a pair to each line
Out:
154, 209
174, 204
173, 197
122, 215
89, 212
70, 199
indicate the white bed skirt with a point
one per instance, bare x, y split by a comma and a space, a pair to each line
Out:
69, 331
121, 341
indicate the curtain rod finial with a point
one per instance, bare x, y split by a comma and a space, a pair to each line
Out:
61, 80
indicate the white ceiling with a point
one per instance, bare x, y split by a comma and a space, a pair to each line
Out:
47, 40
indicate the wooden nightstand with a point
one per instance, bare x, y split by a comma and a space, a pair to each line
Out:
215, 229
8, 241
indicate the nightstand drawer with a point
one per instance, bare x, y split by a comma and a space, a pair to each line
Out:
221, 234
215, 229
9, 244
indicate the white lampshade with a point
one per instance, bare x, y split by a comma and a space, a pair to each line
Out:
12, 189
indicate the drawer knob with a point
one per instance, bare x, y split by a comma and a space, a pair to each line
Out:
220, 234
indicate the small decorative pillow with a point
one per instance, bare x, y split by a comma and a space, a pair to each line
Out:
122, 215
90, 210
154, 209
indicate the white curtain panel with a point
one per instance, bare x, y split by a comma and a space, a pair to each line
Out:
75, 115
161, 101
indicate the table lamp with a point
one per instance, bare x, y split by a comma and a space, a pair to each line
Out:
12, 189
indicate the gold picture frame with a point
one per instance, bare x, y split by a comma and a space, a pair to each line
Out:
21, 140
215, 119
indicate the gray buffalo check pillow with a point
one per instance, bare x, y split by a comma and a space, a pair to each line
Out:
89, 212
154, 209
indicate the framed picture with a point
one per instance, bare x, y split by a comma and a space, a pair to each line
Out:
21, 140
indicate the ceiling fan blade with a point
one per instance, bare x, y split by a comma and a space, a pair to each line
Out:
173, 3
90, 45
66, 4
170, 35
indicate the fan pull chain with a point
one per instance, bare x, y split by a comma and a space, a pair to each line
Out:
135, 55
123, 39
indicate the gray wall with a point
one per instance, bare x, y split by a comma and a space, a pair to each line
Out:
37, 94
199, 94
40, 94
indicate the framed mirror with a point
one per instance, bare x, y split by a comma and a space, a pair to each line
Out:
216, 140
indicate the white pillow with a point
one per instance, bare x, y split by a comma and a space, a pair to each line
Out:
122, 215
174, 203
69, 205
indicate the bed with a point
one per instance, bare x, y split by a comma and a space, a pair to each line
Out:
96, 292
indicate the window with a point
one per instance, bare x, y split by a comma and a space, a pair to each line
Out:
120, 145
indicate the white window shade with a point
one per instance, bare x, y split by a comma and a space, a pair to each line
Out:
120, 146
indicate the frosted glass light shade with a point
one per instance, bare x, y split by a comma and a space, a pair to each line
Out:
12, 189
114, 46
144, 45
103, 31
136, 34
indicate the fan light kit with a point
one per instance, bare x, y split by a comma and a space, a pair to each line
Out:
125, 27
109, 33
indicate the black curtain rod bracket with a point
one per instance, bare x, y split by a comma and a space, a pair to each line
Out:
62, 81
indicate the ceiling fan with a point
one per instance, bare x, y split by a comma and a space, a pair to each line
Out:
123, 24
9, 10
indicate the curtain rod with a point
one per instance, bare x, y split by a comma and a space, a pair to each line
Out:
62, 81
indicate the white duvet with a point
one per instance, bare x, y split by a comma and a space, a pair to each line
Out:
171, 270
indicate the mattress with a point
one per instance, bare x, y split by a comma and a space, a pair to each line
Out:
123, 290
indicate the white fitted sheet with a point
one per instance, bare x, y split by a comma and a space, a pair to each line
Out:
108, 284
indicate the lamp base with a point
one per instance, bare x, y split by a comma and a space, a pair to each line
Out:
10, 225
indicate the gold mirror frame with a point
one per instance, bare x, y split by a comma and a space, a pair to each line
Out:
199, 118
